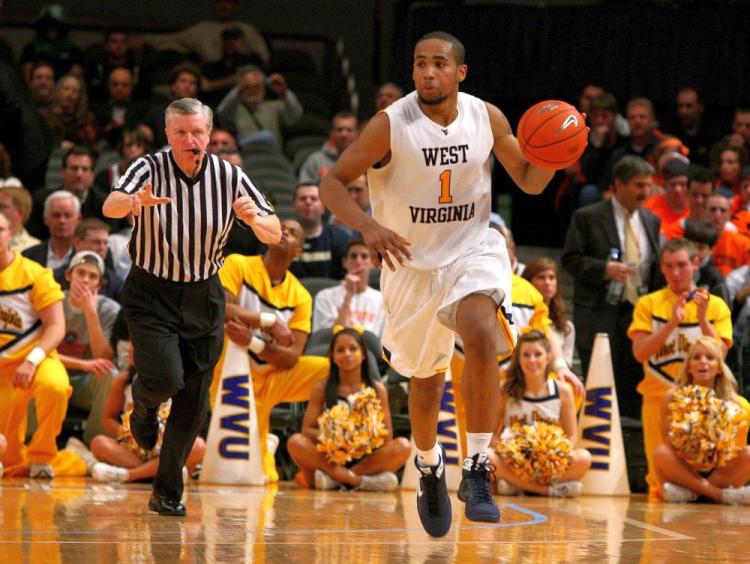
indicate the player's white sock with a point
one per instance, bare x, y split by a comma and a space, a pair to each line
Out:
429, 457
476, 443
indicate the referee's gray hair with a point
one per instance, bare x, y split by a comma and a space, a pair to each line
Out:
62, 195
190, 106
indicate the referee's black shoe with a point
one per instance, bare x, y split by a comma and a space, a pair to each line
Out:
144, 426
474, 490
163, 505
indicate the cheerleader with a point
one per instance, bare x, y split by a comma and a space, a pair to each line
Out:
121, 459
530, 396
349, 372
685, 476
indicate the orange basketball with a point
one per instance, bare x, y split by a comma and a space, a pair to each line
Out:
552, 134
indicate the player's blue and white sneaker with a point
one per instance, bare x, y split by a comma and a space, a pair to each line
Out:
474, 490
433, 503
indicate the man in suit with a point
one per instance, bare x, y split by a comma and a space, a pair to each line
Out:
618, 223
62, 214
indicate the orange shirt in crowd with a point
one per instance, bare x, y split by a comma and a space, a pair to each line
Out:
670, 219
731, 251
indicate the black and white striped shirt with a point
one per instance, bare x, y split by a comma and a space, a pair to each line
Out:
184, 240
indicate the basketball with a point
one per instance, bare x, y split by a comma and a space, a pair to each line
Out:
552, 134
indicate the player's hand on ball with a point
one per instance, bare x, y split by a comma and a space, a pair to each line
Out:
385, 245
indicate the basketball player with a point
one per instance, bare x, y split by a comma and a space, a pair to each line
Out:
427, 161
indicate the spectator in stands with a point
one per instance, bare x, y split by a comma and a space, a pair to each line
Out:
388, 93
52, 43
544, 275
644, 135
103, 58
667, 149
23, 132
665, 324
324, 244
15, 203
591, 91
85, 351
728, 170
92, 235
622, 224
254, 119
62, 213
740, 136
603, 139
672, 205
691, 127
42, 84
269, 312
133, 143
360, 193
343, 133
702, 234
738, 285
183, 83
231, 155
204, 38
220, 76
118, 110
120, 458
68, 117
77, 174
31, 302
349, 373
700, 188
219, 139
731, 250
352, 302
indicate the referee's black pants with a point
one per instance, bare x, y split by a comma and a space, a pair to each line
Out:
177, 332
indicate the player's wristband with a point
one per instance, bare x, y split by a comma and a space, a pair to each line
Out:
256, 346
36, 356
267, 320
559, 363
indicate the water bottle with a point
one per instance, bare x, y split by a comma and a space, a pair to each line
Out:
615, 288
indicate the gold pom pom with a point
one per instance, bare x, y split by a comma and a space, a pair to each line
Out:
351, 430
703, 427
540, 451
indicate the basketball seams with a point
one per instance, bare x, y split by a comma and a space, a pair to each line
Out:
528, 139
561, 139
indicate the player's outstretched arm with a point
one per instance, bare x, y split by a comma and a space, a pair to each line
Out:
529, 178
371, 147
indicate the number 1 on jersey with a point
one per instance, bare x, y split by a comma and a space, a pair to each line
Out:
445, 188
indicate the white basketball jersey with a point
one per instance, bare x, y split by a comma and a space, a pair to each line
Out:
436, 189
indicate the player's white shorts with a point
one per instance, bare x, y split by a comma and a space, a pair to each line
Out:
421, 307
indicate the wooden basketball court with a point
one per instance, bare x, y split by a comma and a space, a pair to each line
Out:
77, 520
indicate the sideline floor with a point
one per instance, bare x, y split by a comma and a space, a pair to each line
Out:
79, 521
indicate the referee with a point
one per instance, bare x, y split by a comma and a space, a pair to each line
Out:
184, 201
